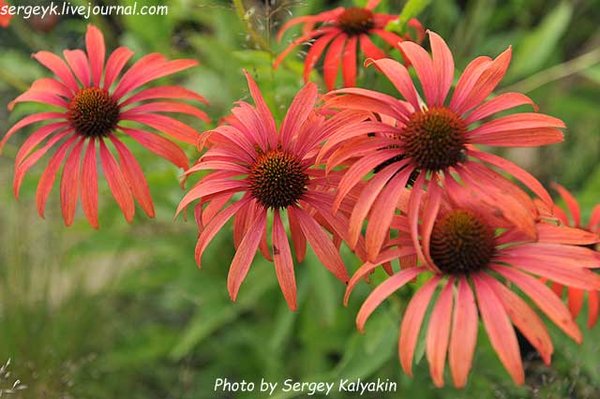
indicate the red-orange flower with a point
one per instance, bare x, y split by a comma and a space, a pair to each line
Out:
91, 103
5, 17
474, 256
572, 217
419, 140
273, 170
344, 30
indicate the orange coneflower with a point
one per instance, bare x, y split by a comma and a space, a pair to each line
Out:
344, 30
273, 170
575, 296
474, 256
5, 17
434, 138
91, 103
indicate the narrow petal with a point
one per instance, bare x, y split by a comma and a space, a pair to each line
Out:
412, 321
383, 212
302, 106
134, 176
549, 233
464, 334
315, 52
438, 334
117, 183
302, 39
571, 202
49, 176
28, 120
500, 103
593, 308
321, 243
37, 137
370, 49
160, 146
214, 226
524, 318
79, 64
400, 78
468, 80
69, 184
443, 65
169, 126
284, 265
240, 265
575, 300
500, 331
89, 184
423, 65
349, 62
58, 67
114, 65
166, 106
164, 92
96, 50
204, 188
264, 112
332, 60
298, 237
522, 175
544, 298
383, 291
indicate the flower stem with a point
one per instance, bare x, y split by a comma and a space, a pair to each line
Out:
557, 72
242, 14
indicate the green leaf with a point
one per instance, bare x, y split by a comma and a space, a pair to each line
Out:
538, 46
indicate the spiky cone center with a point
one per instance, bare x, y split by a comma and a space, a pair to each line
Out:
277, 179
93, 112
356, 21
434, 138
462, 243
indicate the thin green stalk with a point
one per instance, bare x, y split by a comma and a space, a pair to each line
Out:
557, 72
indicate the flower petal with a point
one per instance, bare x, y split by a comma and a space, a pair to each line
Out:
284, 265
117, 183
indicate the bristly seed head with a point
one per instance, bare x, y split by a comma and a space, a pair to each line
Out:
462, 243
277, 179
93, 112
435, 138
356, 21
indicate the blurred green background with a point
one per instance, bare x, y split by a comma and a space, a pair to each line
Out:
123, 312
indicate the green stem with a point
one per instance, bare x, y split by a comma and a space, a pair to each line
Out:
557, 72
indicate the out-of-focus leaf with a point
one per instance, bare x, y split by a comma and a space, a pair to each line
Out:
538, 46
411, 9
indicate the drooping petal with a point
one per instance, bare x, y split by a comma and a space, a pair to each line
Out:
240, 265
464, 334
160, 146
571, 202
383, 291
349, 62
134, 176
89, 184
49, 176
500, 331
544, 298
117, 183
69, 184
284, 265
28, 120
315, 52
332, 60
214, 226
412, 321
524, 318
438, 333
321, 244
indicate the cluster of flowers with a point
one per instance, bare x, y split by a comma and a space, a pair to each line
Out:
406, 170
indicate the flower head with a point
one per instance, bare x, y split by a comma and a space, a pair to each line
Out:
475, 257
268, 170
572, 217
4, 19
434, 138
91, 105
344, 30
